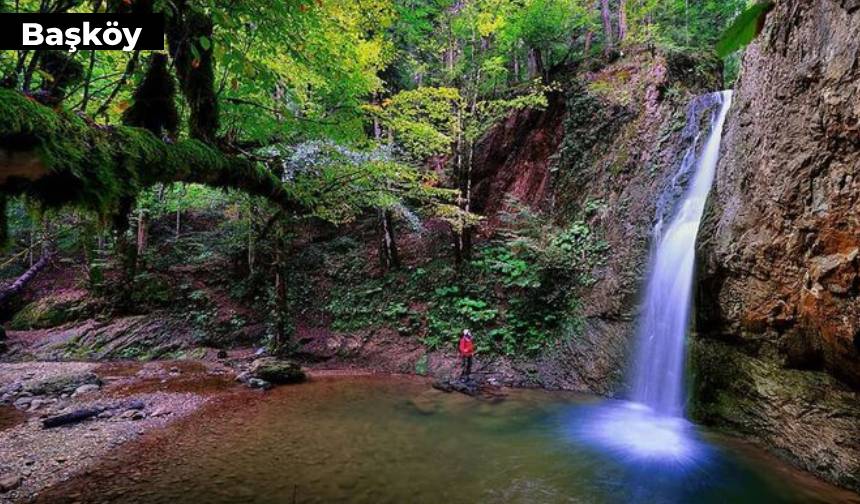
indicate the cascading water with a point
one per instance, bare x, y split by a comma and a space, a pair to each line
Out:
659, 378
652, 424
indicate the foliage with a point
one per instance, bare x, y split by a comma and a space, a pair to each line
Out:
331, 110
744, 28
514, 295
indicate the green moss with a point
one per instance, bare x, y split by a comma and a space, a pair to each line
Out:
95, 167
43, 314
23, 116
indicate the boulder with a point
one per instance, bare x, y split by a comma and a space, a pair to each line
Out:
277, 371
62, 384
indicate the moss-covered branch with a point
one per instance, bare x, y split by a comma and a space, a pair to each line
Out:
59, 158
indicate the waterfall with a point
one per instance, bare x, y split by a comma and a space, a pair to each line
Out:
662, 330
651, 426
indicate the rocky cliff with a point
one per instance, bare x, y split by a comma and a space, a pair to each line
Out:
605, 150
778, 353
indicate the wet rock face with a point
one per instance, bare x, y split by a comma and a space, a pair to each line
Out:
779, 246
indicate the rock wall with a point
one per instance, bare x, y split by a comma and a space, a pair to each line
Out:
778, 356
603, 151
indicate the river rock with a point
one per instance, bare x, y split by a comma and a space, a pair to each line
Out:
132, 414
23, 402
9, 482
161, 411
62, 384
464, 386
258, 383
277, 371
83, 389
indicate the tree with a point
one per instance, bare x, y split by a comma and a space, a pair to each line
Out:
606, 17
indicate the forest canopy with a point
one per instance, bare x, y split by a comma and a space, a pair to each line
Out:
253, 80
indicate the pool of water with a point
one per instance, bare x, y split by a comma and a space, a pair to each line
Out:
377, 440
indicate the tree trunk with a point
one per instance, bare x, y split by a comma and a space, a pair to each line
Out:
516, 62
141, 232
535, 63
388, 246
280, 292
622, 20
251, 212
125, 250
606, 15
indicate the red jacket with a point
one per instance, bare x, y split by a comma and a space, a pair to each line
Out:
467, 347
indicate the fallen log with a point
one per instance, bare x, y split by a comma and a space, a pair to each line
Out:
24, 279
82, 414
70, 418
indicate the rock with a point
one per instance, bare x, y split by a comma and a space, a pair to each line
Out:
161, 411
258, 383
778, 247
464, 386
9, 482
62, 384
260, 352
277, 371
83, 389
105, 414
132, 414
243, 377
23, 402
36, 404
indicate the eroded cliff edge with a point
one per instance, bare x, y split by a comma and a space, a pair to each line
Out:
777, 354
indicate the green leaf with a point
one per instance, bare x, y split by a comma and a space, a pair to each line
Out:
205, 43
744, 29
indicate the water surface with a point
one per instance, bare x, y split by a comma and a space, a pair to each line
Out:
377, 440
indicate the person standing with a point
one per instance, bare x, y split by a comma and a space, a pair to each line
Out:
467, 351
